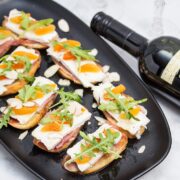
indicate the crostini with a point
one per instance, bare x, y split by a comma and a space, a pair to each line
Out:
17, 69
60, 127
30, 105
95, 151
33, 33
7, 39
75, 63
121, 110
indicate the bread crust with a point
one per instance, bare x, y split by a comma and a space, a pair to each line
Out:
128, 134
101, 163
28, 43
40, 145
18, 84
36, 118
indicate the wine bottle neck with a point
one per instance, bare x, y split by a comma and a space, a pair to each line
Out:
118, 33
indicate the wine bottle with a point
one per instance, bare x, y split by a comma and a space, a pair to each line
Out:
159, 59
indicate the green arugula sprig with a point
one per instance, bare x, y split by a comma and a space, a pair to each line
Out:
40, 23
9, 64
120, 104
62, 111
5, 118
27, 25
29, 92
91, 145
65, 97
25, 20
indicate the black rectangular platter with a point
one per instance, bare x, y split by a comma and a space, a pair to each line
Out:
157, 138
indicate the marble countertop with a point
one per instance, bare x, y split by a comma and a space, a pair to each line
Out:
139, 16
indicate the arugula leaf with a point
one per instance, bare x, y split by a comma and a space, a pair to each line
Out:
91, 145
65, 97
46, 120
27, 78
120, 104
26, 60
40, 23
26, 93
25, 20
5, 118
110, 106
29, 92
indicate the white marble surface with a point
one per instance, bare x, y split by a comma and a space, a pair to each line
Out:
137, 14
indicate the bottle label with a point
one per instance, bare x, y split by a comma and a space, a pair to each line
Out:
172, 68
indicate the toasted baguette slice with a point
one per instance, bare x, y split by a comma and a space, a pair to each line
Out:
18, 84
26, 42
69, 139
101, 163
36, 118
112, 121
33, 44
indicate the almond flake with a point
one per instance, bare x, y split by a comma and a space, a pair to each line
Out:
79, 92
63, 25
94, 105
51, 71
141, 149
93, 52
23, 135
100, 120
14, 102
106, 68
64, 82
111, 77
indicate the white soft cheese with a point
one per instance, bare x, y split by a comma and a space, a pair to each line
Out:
77, 148
53, 138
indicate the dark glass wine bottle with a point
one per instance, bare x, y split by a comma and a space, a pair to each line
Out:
159, 59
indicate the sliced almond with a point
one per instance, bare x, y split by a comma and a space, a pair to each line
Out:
79, 92
63, 25
23, 135
14, 102
111, 77
51, 71
100, 120
106, 68
141, 149
64, 82
93, 52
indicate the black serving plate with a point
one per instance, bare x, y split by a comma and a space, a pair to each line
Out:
157, 138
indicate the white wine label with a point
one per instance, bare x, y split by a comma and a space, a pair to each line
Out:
172, 68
